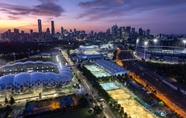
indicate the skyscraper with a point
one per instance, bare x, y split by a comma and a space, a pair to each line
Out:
39, 27
62, 30
52, 28
148, 32
31, 32
140, 31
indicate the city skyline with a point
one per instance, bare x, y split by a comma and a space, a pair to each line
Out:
98, 15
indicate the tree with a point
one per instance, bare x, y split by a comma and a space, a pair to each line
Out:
12, 101
125, 115
6, 100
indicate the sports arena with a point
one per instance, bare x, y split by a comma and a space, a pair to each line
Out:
22, 77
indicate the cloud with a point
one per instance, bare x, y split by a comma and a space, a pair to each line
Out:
48, 0
13, 18
104, 9
46, 8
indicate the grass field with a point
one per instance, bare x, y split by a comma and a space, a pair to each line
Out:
78, 113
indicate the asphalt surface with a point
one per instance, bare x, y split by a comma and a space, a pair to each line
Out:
154, 80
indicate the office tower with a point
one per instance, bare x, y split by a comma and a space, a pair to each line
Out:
74, 30
140, 31
62, 30
128, 29
31, 31
9, 33
114, 30
39, 27
148, 32
133, 30
47, 34
48, 31
122, 31
16, 31
16, 34
108, 31
52, 28
92, 33
22, 32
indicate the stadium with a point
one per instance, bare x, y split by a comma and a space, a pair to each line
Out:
22, 77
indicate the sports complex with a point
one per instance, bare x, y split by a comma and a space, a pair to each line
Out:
126, 99
23, 77
105, 68
116, 91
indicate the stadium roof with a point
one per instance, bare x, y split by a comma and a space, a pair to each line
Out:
111, 67
27, 62
25, 79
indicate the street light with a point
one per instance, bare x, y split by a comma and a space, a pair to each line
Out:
145, 44
184, 41
155, 40
137, 40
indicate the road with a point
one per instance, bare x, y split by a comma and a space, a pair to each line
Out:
141, 73
106, 111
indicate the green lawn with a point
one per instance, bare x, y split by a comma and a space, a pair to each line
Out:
78, 113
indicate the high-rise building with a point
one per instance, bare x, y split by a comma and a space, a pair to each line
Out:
114, 30
74, 30
128, 29
52, 28
22, 32
48, 31
39, 27
31, 32
9, 33
16, 31
62, 30
133, 30
148, 32
91, 33
140, 31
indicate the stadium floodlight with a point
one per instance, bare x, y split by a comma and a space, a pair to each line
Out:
137, 40
145, 44
184, 41
57, 58
60, 65
155, 41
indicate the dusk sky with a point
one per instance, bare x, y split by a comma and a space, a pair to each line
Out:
160, 16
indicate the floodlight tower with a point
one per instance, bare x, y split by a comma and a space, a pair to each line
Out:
145, 44
184, 41
137, 40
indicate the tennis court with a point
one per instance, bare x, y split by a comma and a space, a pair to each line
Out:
109, 86
92, 68
119, 94
101, 74
96, 71
130, 105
